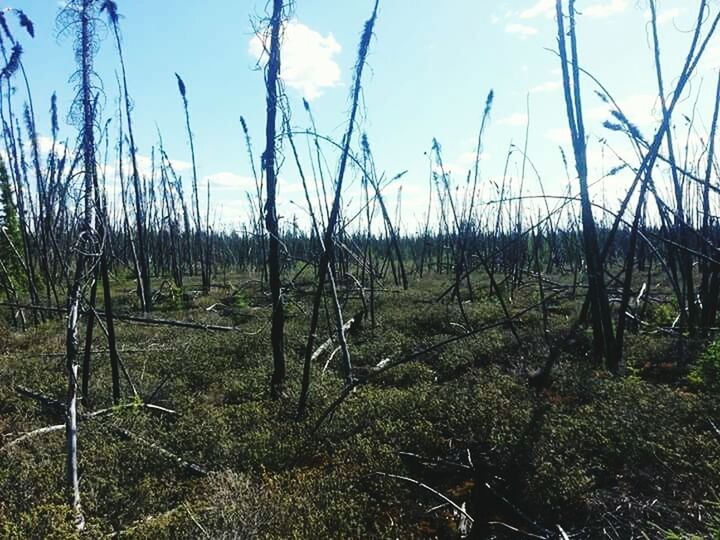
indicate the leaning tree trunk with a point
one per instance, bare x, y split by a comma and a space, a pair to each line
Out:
144, 291
328, 239
204, 271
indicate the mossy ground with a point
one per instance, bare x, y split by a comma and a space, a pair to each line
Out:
635, 456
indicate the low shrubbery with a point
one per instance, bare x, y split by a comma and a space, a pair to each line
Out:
590, 449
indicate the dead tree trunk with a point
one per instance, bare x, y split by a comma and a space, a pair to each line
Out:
328, 239
271, 217
140, 221
604, 342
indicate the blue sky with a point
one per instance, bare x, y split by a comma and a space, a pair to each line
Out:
431, 66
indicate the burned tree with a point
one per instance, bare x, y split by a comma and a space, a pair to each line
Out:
603, 336
79, 18
271, 217
144, 292
328, 236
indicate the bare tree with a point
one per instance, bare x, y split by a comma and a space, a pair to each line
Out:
328, 237
604, 341
272, 75
80, 16
201, 249
144, 292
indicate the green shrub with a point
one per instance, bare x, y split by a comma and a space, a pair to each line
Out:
706, 373
48, 521
663, 314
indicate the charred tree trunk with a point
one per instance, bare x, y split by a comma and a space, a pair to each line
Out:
271, 217
328, 239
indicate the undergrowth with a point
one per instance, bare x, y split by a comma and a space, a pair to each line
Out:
630, 455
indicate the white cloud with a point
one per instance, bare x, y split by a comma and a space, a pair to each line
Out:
664, 16
462, 163
515, 119
230, 180
605, 9
668, 15
468, 158
307, 58
521, 30
548, 86
45, 145
540, 8
144, 164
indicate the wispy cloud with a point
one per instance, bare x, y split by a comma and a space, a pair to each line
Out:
544, 8
548, 86
144, 164
308, 58
605, 9
521, 30
668, 15
462, 163
111, 171
45, 145
225, 180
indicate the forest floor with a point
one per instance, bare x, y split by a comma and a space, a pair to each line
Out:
596, 456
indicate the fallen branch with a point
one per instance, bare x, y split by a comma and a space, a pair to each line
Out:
141, 522
93, 351
517, 531
116, 408
87, 416
192, 467
715, 429
195, 521
520, 513
130, 318
332, 355
431, 490
31, 434
325, 345
168, 322
434, 462
349, 388
44, 399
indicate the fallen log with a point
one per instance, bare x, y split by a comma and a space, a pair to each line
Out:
193, 467
350, 323
45, 400
130, 318
86, 416
31, 434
